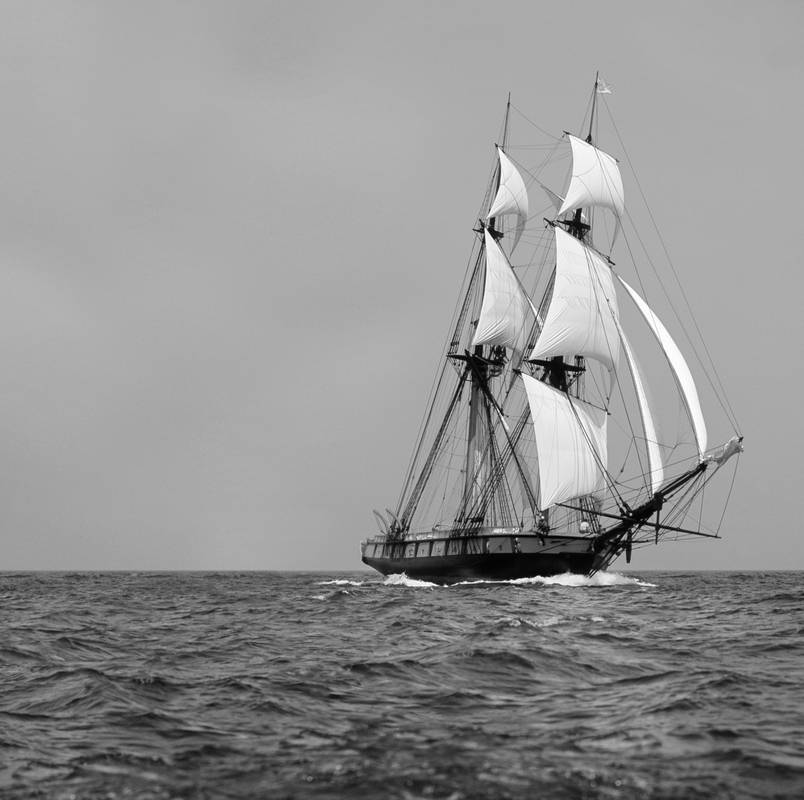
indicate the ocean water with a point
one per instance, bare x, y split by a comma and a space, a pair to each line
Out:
291, 685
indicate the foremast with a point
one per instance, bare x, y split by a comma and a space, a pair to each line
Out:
481, 454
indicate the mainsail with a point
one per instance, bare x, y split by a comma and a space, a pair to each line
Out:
678, 365
581, 317
506, 315
511, 197
570, 442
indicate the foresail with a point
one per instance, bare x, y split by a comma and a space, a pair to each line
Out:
655, 467
583, 307
679, 366
506, 315
570, 443
596, 180
511, 197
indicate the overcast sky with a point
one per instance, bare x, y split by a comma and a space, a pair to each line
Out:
231, 236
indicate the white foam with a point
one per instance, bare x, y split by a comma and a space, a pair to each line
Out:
568, 579
572, 580
400, 579
340, 582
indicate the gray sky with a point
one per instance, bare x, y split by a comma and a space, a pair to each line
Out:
232, 234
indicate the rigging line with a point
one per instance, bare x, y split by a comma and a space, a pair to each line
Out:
586, 115
718, 393
507, 494
601, 466
625, 460
676, 379
424, 476
728, 496
733, 416
527, 119
468, 277
700, 511
730, 411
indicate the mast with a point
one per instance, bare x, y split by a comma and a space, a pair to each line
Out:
594, 101
556, 370
479, 455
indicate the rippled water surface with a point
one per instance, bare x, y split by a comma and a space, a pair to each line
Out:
294, 685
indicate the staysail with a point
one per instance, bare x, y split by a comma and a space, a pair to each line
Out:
679, 366
511, 197
506, 315
596, 180
580, 319
655, 467
570, 443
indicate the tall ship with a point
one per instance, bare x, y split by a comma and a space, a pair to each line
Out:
564, 426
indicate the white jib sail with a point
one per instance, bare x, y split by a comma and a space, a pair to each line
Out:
506, 315
580, 319
511, 197
570, 443
596, 180
678, 365
655, 466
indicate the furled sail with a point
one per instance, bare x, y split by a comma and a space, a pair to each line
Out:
511, 197
580, 319
570, 443
596, 180
506, 315
655, 466
678, 365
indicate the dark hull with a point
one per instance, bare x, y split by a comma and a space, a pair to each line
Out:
510, 558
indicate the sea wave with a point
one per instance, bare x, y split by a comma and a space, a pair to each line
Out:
272, 685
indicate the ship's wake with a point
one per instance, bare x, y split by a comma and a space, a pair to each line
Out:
568, 579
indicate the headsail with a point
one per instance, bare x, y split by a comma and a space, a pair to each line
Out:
511, 197
570, 443
580, 319
596, 180
678, 365
655, 466
506, 315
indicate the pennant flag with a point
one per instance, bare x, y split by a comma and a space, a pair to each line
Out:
602, 87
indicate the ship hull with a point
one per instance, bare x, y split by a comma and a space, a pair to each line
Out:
458, 559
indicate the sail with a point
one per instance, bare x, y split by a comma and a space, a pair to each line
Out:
511, 197
596, 180
557, 199
570, 443
506, 314
678, 365
655, 467
580, 319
